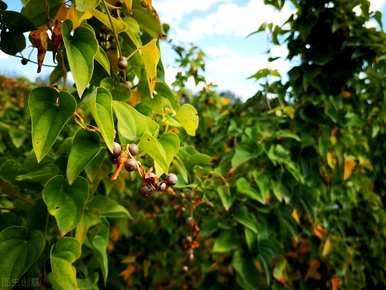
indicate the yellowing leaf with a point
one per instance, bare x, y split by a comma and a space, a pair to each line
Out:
77, 17
279, 272
148, 3
225, 101
365, 163
320, 232
289, 111
335, 281
326, 248
118, 24
259, 267
128, 4
151, 58
349, 166
346, 94
331, 160
334, 132
188, 117
295, 215
313, 270
40, 39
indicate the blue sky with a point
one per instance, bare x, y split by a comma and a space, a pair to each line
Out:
219, 27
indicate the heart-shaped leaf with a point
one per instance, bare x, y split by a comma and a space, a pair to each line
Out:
98, 102
40, 12
84, 149
81, 48
65, 202
19, 249
63, 254
50, 111
188, 117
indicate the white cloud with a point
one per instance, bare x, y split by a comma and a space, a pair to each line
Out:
231, 19
3, 55
230, 71
172, 11
377, 4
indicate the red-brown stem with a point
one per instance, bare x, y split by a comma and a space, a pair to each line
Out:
117, 171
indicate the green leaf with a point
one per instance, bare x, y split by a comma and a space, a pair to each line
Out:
84, 5
226, 197
241, 155
41, 175
225, 242
133, 31
81, 48
50, 111
65, 202
250, 238
148, 20
119, 25
247, 219
16, 21
106, 207
244, 187
171, 145
181, 168
246, 271
93, 167
188, 117
99, 102
19, 250
89, 283
262, 182
17, 136
63, 254
36, 11
142, 123
150, 145
89, 218
12, 41
127, 127
85, 147
102, 58
99, 240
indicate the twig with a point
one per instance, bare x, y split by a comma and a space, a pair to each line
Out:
30, 60
113, 28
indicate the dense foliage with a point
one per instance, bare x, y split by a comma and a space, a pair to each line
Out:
285, 190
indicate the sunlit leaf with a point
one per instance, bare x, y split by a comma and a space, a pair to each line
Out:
81, 48
188, 117
151, 58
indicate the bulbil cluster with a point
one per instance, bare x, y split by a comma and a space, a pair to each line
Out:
150, 181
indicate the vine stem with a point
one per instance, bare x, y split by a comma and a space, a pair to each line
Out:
113, 28
32, 61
